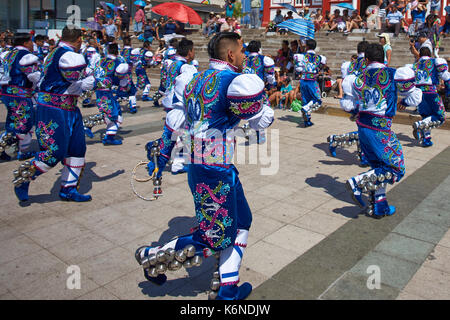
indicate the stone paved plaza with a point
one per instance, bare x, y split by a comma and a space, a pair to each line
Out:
308, 240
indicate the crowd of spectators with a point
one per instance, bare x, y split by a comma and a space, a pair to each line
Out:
216, 23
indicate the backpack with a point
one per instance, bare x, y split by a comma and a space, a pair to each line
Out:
296, 105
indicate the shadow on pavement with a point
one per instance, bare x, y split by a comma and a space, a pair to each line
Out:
295, 119
337, 190
410, 140
88, 177
344, 156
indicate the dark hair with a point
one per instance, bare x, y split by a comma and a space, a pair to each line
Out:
215, 45
146, 44
39, 37
425, 52
287, 80
9, 40
361, 48
21, 38
184, 46
374, 52
110, 39
70, 34
254, 46
311, 44
113, 48
286, 42
173, 42
126, 40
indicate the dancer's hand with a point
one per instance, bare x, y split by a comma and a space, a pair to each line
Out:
161, 161
151, 168
401, 107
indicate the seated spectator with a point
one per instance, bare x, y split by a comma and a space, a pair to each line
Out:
289, 16
235, 26
345, 16
282, 58
285, 96
272, 26
210, 27
278, 98
226, 26
171, 26
394, 20
319, 20
149, 32
355, 22
306, 14
326, 21
337, 22
337, 86
294, 50
370, 18
278, 17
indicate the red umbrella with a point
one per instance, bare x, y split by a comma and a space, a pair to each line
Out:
178, 11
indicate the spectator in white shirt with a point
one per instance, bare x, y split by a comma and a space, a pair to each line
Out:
394, 21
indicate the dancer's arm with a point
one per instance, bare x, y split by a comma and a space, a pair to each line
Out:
249, 101
269, 71
123, 75
405, 80
444, 74
174, 123
72, 67
29, 65
350, 100
174, 98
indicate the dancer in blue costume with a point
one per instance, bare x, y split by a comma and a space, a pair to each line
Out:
169, 55
59, 124
142, 58
308, 65
185, 55
263, 67
19, 76
111, 72
374, 92
428, 73
131, 93
181, 64
215, 101
92, 57
356, 67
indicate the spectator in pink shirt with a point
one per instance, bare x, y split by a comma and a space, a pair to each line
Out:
139, 19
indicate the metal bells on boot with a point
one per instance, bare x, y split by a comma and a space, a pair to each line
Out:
8, 142
92, 121
157, 264
22, 177
341, 141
